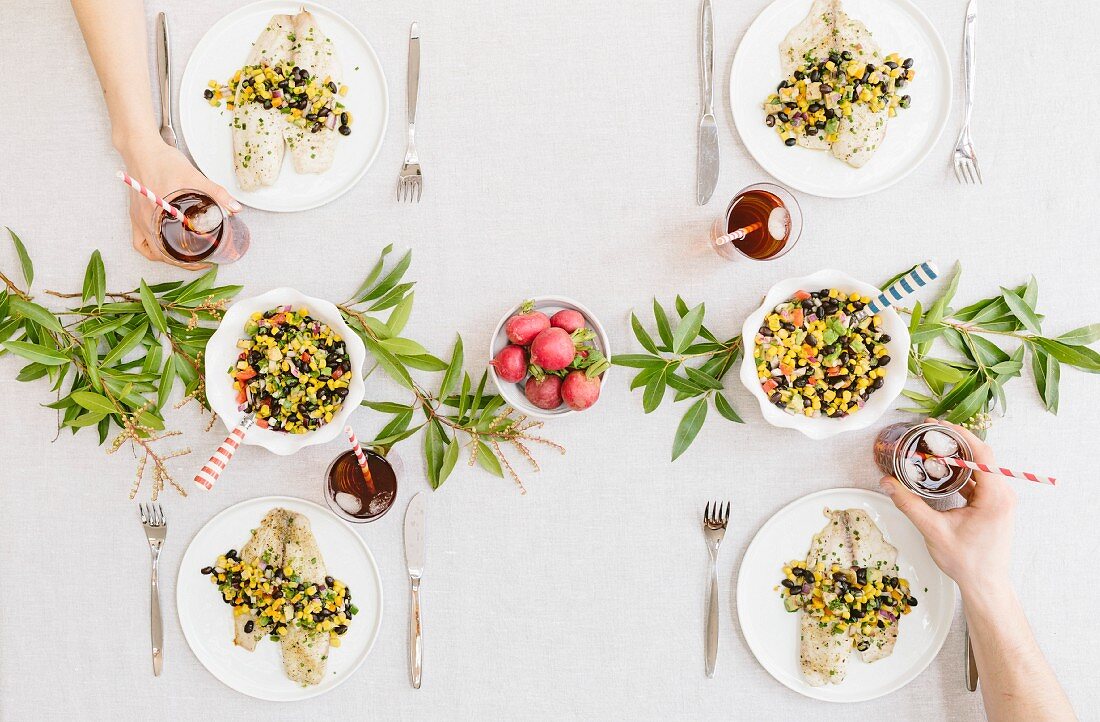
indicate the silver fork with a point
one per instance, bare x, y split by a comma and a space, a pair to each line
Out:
964, 159
714, 529
410, 184
156, 529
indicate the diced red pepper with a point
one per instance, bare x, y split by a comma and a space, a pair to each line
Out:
337, 373
797, 316
277, 319
306, 357
246, 374
801, 295
262, 423
786, 369
769, 386
241, 395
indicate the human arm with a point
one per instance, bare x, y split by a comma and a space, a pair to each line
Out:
973, 545
114, 31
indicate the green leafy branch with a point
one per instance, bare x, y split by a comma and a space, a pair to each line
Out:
458, 414
106, 359
687, 358
968, 386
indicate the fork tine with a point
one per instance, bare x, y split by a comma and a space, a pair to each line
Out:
419, 188
726, 514
968, 166
958, 172
706, 514
160, 515
977, 170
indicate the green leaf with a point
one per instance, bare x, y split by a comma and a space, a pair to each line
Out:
664, 330
1081, 357
1047, 371
683, 386
970, 405
703, 379
637, 360
387, 407
95, 280
1081, 336
33, 312
689, 427
37, 353
985, 351
450, 458
94, 402
390, 281
1021, 310
643, 377
374, 274
957, 394
725, 409
127, 344
926, 332
89, 348
164, 387
24, 259
952, 286
642, 335
32, 372
153, 421
400, 315
403, 347
454, 368
681, 306
424, 362
103, 326
90, 418
392, 298
152, 308
688, 328
488, 459
433, 455
389, 363
397, 424
654, 392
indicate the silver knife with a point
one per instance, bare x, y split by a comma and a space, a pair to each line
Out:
414, 558
164, 70
707, 163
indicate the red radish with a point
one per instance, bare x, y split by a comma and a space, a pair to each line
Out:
578, 391
567, 319
553, 349
511, 363
525, 325
545, 394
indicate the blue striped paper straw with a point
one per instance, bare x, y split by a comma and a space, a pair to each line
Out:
919, 277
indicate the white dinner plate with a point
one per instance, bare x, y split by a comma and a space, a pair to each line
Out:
897, 26
772, 633
224, 49
207, 621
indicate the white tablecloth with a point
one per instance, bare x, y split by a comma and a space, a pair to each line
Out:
558, 141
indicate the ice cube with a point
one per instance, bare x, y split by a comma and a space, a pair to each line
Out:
779, 223
349, 503
936, 469
940, 444
204, 216
379, 503
914, 474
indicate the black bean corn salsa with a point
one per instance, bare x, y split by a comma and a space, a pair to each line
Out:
307, 101
814, 99
278, 597
292, 372
810, 362
858, 601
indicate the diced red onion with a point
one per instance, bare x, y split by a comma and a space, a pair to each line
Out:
887, 615
807, 588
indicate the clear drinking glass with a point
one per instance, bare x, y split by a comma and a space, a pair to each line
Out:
218, 238
350, 496
773, 219
895, 447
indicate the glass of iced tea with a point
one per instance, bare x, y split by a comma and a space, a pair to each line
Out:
908, 453
351, 495
761, 223
211, 234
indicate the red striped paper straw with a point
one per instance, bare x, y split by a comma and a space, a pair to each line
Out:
143, 190
360, 457
975, 466
211, 471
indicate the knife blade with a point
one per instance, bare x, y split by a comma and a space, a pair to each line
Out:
707, 162
164, 72
415, 519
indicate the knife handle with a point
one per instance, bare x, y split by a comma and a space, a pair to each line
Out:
707, 52
163, 55
416, 638
413, 88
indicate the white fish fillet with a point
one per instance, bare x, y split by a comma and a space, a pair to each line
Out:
258, 145
304, 652
313, 50
850, 538
269, 538
827, 28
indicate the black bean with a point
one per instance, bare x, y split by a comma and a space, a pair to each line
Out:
912, 601
311, 116
811, 131
846, 55
316, 127
908, 63
765, 331
206, 570
815, 77
782, 85
342, 629
889, 601
343, 118
770, 121
905, 101
900, 82
267, 105
877, 383
208, 94
323, 113
791, 585
820, 125
799, 75
891, 64
884, 338
840, 577
883, 360
332, 86
783, 116
249, 626
790, 141
814, 107
826, 88
870, 68
231, 554
863, 645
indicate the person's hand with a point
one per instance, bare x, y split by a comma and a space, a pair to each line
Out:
971, 544
164, 170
